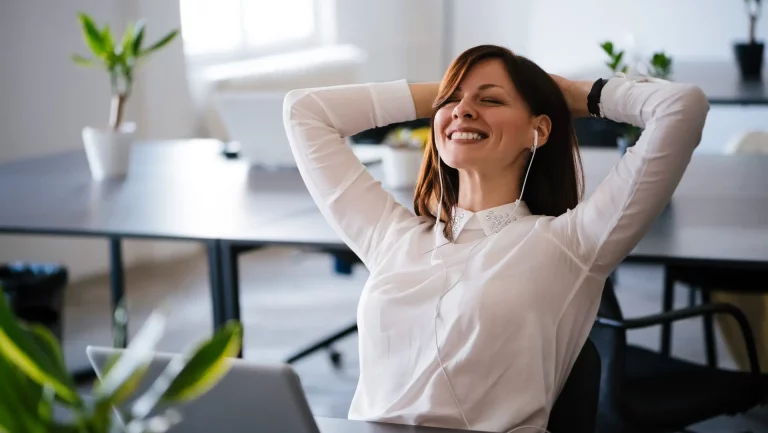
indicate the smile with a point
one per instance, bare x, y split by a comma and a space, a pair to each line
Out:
468, 136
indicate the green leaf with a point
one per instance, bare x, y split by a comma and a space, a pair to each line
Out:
92, 35
45, 404
48, 343
18, 412
136, 356
138, 30
126, 45
82, 61
159, 44
207, 365
129, 386
607, 47
109, 42
187, 377
24, 352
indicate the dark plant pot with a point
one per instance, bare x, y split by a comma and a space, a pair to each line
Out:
750, 59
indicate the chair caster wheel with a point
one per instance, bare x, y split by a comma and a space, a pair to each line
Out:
335, 357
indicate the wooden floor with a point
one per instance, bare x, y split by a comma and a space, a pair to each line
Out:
291, 298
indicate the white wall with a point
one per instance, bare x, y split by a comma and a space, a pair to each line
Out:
564, 36
45, 100
403, 38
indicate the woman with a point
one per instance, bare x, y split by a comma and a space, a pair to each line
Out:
473, 318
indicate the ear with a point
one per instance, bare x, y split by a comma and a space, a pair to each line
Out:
543, 125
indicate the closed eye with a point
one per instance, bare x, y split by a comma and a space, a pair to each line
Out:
491, 101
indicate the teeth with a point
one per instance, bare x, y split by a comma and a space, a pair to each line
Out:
466, 136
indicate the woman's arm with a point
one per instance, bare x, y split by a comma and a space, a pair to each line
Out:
352, 201
423, 95
604, 229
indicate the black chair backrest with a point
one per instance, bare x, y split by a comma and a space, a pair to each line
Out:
575, 410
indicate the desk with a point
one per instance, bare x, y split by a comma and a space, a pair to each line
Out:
334, 425
175, 190
719, 214
719, 80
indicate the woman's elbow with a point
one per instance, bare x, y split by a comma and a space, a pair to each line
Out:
292, 104
697, 102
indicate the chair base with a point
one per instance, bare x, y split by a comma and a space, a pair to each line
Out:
325, 344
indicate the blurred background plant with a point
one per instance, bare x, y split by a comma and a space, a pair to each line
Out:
659, 65
119, 59
36, 385
405, 137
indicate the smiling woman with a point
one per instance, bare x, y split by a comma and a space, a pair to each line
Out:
504, 99
475, 320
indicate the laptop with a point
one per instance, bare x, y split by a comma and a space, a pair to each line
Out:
254, 122
251, 397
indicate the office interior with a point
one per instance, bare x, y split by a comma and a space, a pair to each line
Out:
206, 109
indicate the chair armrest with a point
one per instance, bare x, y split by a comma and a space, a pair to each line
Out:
687, 313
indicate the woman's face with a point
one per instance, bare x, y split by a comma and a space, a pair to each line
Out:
485, 125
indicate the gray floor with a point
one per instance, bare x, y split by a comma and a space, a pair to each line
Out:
289, 298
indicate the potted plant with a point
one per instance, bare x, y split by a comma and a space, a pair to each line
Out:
404, 155
108, 148
749, 55
34, 380
659, 66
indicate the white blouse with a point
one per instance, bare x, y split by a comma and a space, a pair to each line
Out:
510, 331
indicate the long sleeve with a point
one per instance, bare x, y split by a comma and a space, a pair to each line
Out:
353, 202
602, 230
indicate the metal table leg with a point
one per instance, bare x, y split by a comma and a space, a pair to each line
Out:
215, 274
117, 287
230, 279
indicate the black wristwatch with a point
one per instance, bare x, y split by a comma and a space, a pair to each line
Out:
593, 99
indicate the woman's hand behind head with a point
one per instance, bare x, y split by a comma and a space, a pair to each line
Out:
575, 93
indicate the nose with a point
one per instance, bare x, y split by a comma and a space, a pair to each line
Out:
464, 110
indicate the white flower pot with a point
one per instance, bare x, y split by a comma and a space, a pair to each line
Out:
401, 166
109, 151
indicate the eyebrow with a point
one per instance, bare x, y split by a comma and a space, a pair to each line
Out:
483, 87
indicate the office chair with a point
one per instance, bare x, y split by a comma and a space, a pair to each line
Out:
646, 391
575, 409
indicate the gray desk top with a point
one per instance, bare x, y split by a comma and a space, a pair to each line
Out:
720, 81
186, 190
719, 214
332, 425
183, 189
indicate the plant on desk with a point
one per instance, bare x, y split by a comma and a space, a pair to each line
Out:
749, 55
405, 152
34, 380
658, 66
108, 149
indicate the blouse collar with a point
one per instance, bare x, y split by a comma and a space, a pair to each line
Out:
490, 220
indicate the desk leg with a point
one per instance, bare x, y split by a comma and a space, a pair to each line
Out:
215, 274
117, 285
230, 279
230, 287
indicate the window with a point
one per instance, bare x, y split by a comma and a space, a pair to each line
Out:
243, 28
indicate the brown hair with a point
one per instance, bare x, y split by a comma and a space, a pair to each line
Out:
555, 183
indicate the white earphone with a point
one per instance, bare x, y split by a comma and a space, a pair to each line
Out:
445, 273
